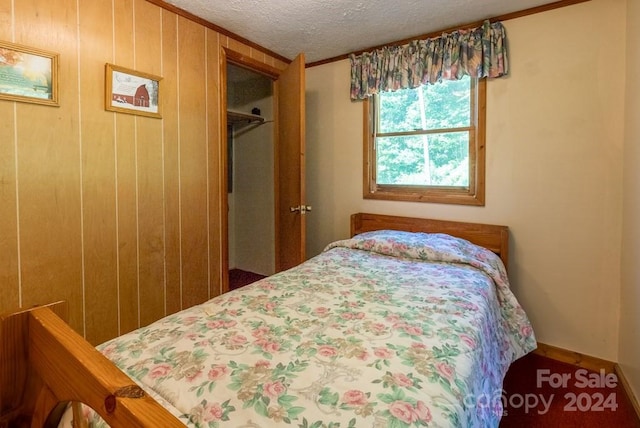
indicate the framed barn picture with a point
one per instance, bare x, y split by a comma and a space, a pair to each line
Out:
28, 74
132, 92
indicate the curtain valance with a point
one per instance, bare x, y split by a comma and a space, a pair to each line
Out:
478, 52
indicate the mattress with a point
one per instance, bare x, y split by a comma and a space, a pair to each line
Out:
386, 329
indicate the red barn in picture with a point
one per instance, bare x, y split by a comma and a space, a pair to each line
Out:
126, 95
141, 97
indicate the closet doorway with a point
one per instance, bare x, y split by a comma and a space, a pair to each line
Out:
283, 222
250, 177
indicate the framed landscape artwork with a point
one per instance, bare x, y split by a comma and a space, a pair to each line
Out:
132, 92
28, 74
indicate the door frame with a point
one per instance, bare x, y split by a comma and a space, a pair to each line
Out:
229, 56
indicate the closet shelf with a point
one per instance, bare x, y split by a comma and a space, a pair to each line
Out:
239, 117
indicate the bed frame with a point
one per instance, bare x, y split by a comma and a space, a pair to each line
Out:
44, 364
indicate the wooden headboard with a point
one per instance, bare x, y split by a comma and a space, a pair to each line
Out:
490, 236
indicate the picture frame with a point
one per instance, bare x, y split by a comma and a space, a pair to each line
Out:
28, 74
132, 92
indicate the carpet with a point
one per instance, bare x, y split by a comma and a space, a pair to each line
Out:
239, 278
541, 392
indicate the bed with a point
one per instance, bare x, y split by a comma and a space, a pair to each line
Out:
408, 323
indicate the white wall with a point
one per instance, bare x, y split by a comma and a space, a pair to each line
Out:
251, 204
554, 169
629, 357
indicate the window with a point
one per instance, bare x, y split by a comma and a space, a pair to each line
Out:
426, 144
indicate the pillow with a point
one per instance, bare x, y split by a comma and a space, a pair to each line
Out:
434, 247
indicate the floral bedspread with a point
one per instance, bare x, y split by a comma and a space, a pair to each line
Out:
388, 329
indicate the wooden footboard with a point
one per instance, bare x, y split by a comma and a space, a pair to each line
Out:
44, 364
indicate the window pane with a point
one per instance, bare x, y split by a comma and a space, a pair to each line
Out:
424, 160
448, 104
440, 106
399, 111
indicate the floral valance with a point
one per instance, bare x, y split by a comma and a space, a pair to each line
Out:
478, 52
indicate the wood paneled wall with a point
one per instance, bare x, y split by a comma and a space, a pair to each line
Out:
117, 214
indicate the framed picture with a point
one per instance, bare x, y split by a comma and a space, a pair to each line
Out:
132, 92
28, 74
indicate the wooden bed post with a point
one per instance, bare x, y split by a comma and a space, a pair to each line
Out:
44, 364
19, 386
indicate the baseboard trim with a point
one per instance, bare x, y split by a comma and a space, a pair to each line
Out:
575, 358
627, 389
590, 363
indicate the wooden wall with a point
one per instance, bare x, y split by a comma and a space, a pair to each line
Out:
117, 214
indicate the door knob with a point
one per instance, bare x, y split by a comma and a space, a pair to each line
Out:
302, 208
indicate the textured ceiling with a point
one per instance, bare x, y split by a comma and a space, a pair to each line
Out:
325, 29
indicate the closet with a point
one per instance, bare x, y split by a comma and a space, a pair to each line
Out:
250, 163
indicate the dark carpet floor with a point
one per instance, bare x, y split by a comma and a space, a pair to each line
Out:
541, 392
239, 278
